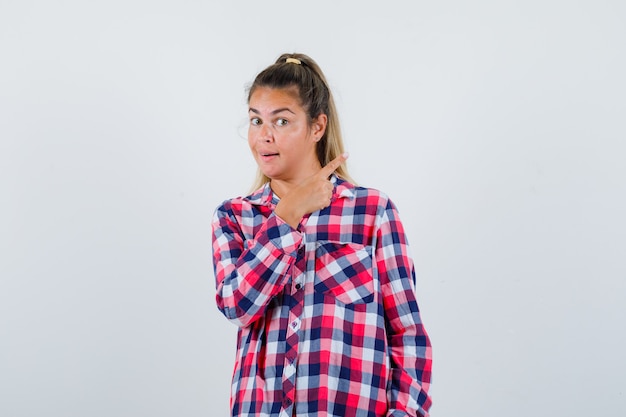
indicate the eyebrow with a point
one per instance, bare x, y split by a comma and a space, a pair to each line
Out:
282, 109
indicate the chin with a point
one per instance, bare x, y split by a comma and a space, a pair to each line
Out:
269, 174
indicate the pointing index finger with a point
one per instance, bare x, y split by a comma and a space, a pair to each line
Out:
330, 167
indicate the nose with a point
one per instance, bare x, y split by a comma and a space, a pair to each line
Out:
265, 133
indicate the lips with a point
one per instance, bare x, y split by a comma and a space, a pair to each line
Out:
267, 157
267, 154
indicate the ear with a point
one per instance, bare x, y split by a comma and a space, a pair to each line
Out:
318, 127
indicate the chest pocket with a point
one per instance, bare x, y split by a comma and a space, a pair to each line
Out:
344, 271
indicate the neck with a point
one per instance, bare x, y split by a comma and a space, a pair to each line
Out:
282, 186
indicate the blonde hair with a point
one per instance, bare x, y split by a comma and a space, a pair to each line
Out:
302, 73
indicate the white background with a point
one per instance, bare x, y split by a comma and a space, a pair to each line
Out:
497, 127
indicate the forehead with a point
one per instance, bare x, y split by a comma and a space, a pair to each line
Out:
267, 98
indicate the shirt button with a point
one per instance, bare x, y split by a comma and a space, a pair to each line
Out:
301, 251
287, 401
298, 286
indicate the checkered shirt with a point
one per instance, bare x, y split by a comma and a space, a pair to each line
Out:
328, 320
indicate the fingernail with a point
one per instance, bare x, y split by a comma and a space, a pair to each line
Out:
345, 154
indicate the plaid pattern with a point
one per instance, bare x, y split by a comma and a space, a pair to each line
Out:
327, 316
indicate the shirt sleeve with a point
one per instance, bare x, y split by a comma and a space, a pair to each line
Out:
249, 273
410, 349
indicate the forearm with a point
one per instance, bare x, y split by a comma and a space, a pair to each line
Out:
409, 346
249, 274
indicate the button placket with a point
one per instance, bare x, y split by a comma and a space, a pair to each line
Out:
292, 343
301, 263
293, 328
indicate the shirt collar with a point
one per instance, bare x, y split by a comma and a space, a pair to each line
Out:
265, 197
343, 189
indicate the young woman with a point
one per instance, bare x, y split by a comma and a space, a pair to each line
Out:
315, 270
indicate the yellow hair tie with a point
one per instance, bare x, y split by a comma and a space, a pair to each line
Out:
293, 61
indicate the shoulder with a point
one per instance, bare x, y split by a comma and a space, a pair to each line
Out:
364, 196
238, 206
372, 194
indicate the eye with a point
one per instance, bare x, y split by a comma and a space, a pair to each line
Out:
281, 122
255, 121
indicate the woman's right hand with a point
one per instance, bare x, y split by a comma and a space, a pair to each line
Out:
314, 193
